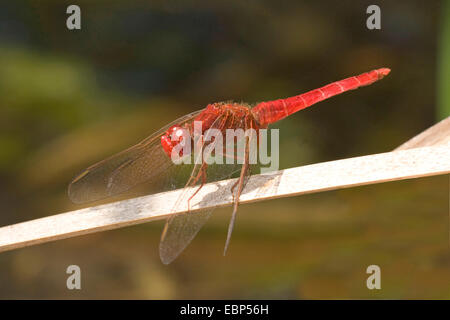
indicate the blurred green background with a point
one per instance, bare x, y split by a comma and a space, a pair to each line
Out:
70, 98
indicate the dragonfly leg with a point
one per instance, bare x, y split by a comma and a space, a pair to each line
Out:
202, 171
201, 174
240, 184
233, 187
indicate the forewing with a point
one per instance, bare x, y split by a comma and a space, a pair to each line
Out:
140, 163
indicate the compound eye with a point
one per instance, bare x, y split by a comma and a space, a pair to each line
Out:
173, 130
174, 136
166, 144
178, 134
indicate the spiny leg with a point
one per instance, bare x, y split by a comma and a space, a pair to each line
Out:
246, 176
237, 157
240, 183
202, 171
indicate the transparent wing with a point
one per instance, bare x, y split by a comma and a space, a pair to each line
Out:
181, 229
140, 163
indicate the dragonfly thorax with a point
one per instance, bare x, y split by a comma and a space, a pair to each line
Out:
221, 116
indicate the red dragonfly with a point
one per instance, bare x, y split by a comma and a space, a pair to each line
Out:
150, 160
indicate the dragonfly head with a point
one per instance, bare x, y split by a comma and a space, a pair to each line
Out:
172, 137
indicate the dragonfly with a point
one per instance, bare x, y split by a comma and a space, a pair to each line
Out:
151, 161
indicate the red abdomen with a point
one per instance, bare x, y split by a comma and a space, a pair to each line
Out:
272, 111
